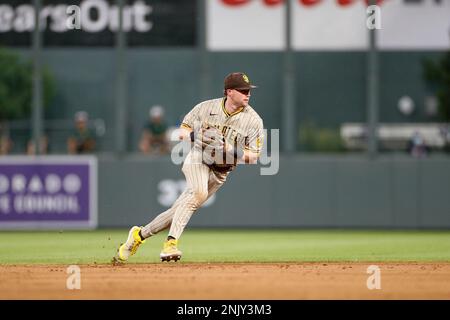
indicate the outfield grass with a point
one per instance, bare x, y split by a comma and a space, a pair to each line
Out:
79, 247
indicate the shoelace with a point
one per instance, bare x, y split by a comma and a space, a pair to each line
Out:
135, 246
171, 246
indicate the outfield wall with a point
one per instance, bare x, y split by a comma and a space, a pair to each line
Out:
308, 191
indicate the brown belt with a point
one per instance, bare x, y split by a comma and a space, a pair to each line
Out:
222, 168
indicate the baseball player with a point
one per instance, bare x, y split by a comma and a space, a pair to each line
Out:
224, 132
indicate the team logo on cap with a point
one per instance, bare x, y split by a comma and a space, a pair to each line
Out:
245, 78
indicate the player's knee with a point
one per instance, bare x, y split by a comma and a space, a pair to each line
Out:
200, 196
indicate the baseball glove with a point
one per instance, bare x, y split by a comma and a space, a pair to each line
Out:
210, 137
211, 143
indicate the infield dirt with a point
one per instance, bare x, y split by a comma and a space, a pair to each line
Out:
195, 281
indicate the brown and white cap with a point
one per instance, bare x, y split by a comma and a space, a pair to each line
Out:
238, 80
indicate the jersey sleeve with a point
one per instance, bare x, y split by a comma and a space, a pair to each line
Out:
255, 137
192, 117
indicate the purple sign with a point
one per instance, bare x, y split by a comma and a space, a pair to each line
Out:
48, 192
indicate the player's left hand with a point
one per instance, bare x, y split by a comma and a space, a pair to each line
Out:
210, 137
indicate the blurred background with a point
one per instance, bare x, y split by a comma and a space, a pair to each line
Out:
361, 97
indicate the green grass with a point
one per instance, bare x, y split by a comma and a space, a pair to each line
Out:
79, 247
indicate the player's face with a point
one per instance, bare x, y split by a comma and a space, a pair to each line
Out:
240, 97
81, 124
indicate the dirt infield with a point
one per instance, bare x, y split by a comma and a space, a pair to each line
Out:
192, 281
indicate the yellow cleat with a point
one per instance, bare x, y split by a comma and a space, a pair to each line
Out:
131, 245
170, 251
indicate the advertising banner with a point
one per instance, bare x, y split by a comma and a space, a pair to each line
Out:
95, 22
415, 25
244, 25
327, 25
48, 192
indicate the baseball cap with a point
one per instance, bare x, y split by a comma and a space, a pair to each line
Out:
238, 80
156, 111
81, 116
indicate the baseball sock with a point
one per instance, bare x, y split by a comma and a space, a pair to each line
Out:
140, 235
